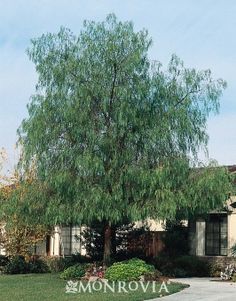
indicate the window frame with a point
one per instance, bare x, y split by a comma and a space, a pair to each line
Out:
217, 221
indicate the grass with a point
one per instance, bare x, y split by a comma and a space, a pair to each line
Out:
48, 287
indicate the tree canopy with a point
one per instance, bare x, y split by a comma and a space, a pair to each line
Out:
113, 134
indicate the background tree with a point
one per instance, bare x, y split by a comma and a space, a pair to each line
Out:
113, 134
20, 229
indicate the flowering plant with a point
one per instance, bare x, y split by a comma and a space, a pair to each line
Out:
228, 273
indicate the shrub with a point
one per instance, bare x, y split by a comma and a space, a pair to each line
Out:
183, 266
17, 265
123, 272
38, 265
152, 276
234, 277
58, 264
215, 269
128, 270
193, 266
164, 264
74, 272
179, 273
78, 258
3, 260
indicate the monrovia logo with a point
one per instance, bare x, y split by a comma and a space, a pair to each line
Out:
115, 287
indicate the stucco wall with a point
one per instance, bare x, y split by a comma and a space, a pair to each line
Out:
231, 230
200, 237
153, 225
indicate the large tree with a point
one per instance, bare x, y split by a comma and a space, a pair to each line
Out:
112, 134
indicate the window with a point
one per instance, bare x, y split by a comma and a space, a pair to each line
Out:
76, 240
217, 235
65, 242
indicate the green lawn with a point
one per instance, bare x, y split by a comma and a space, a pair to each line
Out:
49, 287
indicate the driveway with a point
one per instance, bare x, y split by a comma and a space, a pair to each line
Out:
204, 289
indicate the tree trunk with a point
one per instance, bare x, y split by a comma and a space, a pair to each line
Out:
113, 240
107, 245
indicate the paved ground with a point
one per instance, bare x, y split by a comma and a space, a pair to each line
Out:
204, 289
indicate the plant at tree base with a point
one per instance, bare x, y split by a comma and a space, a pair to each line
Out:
111, 133
74, 272
130, 270
95, 270
123, 272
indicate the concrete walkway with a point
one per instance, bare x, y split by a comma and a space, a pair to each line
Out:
203, 289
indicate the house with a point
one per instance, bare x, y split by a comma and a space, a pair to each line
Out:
215, 234
66, 240
210, 236
63, 241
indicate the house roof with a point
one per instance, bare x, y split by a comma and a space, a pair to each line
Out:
231, 168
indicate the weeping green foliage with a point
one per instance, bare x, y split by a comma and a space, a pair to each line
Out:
112, 133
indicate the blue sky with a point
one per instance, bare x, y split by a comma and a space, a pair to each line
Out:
202, 33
